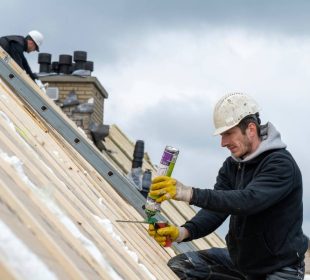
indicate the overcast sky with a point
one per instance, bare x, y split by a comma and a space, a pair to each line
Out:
165, 63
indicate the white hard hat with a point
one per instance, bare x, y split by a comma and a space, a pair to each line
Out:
231, 109
37, 37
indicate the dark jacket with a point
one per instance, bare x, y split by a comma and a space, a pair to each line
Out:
263, 195
15, 46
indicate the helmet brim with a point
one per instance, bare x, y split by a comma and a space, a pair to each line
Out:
222, 130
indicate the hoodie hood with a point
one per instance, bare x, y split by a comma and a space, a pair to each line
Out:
271, 139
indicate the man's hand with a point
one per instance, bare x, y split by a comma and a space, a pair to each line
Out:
40, 84
164, 236
164, 188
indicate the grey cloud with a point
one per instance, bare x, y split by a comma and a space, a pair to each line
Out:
99, 26
188, 122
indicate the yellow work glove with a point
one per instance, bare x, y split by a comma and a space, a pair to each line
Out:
164, 188
164, 236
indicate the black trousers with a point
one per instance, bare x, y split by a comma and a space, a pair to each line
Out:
215, 264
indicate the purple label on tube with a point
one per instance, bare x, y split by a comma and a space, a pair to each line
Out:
166, 159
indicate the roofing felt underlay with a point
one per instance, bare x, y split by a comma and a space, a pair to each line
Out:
57, 213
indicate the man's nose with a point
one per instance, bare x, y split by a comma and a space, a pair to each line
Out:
223, 141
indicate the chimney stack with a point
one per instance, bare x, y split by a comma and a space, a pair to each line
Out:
80, 95
65, 65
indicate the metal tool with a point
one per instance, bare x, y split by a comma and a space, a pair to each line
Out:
150, 220
129, 221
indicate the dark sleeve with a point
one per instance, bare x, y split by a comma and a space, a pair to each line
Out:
204, 223
273, 181
4, 44
17, 53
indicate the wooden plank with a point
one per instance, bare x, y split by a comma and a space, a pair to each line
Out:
67, 235
120, 140
6, 272
26, 236
10, 199
117, 155
32, 169
119, 265
74, 137
77, 189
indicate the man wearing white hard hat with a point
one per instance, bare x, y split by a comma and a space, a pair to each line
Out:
16, 45
259, 187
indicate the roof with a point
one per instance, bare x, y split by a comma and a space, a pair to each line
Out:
57, 212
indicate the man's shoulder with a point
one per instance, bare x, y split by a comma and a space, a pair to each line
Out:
15, 39
281, 158
281, 153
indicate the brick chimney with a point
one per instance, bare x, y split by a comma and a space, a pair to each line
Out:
85, 89
80, 95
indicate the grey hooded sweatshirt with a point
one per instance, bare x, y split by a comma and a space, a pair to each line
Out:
262, 193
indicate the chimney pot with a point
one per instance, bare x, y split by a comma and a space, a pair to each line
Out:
89, 65
79, 56
44, 58
65, 63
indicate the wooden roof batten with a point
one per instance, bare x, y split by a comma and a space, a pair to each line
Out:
87, 201
44, 107
50, 113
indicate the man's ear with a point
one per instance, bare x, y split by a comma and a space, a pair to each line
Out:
251, 130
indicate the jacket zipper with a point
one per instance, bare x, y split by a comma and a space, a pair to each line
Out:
241, 170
